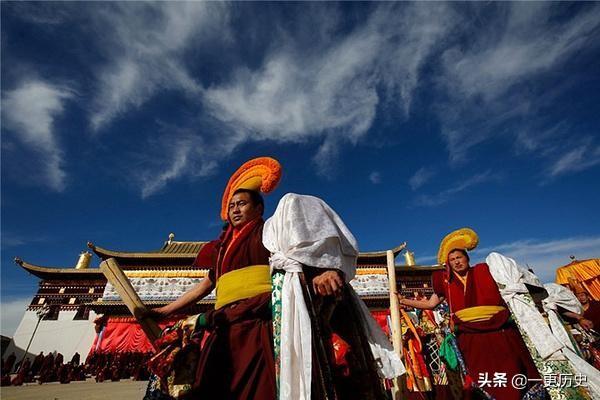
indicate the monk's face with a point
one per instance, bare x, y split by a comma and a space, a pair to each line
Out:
458, 262
242, 210
583, 298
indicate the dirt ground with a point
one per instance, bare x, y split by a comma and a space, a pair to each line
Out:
89, 390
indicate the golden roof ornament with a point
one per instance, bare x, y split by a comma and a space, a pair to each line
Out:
171, 237
84, 260
409, 257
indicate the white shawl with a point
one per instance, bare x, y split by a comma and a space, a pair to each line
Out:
304, 230
559, 295
508, 273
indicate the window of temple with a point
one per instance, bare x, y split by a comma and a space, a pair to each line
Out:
91, 290
72, 300
42, 300
62, 290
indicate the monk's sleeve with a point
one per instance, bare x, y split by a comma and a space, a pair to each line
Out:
206, 259
438, 283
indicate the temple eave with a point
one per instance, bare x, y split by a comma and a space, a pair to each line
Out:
57, 272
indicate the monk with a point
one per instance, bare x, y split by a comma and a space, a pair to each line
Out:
237, 359
591, 311
489, 342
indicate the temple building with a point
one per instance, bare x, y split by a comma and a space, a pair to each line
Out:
76, 310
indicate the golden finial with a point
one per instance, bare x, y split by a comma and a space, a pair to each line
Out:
171, 237
84, 260
409, 256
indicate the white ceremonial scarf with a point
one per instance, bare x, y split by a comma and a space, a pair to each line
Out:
507, 272
304, 230
559, 295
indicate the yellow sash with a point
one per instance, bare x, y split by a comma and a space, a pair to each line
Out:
478, 314
242, 284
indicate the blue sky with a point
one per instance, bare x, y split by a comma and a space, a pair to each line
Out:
121, 123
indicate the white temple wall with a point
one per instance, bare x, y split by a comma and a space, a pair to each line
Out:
64, 335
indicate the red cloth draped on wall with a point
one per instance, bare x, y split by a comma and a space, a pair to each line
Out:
124, 334
381, 317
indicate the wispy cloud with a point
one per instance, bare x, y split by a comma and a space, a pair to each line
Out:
375, 177
543, 256
12, 313
29, 111
145, 43
331, 92
577, 159
484, 80
10, 239
433, 200
421, 177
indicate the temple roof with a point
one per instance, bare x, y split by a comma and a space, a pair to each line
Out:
173, 254
170, 249
182, 250
63, 273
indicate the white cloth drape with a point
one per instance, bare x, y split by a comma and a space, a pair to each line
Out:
305, 230
508, 273
559, 295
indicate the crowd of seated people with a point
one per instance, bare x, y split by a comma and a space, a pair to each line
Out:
52, 368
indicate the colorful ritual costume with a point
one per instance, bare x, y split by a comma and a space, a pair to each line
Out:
236, 361
490, 343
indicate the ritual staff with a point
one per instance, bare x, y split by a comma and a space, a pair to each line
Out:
237, 360
489, 341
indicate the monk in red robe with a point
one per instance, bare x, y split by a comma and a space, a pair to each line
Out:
591, 311
237, 359
489, 342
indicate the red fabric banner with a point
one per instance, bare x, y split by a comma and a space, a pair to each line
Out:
124, 334
381, 318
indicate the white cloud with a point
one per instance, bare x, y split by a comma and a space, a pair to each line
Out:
421, 177
580, 158
12, 313
543, 256
30, 111
145, 43
9, 239
489, 81
333, 90
430, 200
375, 177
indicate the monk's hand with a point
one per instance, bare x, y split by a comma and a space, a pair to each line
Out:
400, 300
156, 313
329, 283
586, 324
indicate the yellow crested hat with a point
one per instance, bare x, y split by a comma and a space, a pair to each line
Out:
464, 239
261, 174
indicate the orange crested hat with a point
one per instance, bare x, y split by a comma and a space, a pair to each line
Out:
464, 239
261, 174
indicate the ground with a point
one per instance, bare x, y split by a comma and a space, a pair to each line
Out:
89, 390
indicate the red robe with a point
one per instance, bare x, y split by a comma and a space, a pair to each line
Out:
488, 347
237, 359
593, 314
